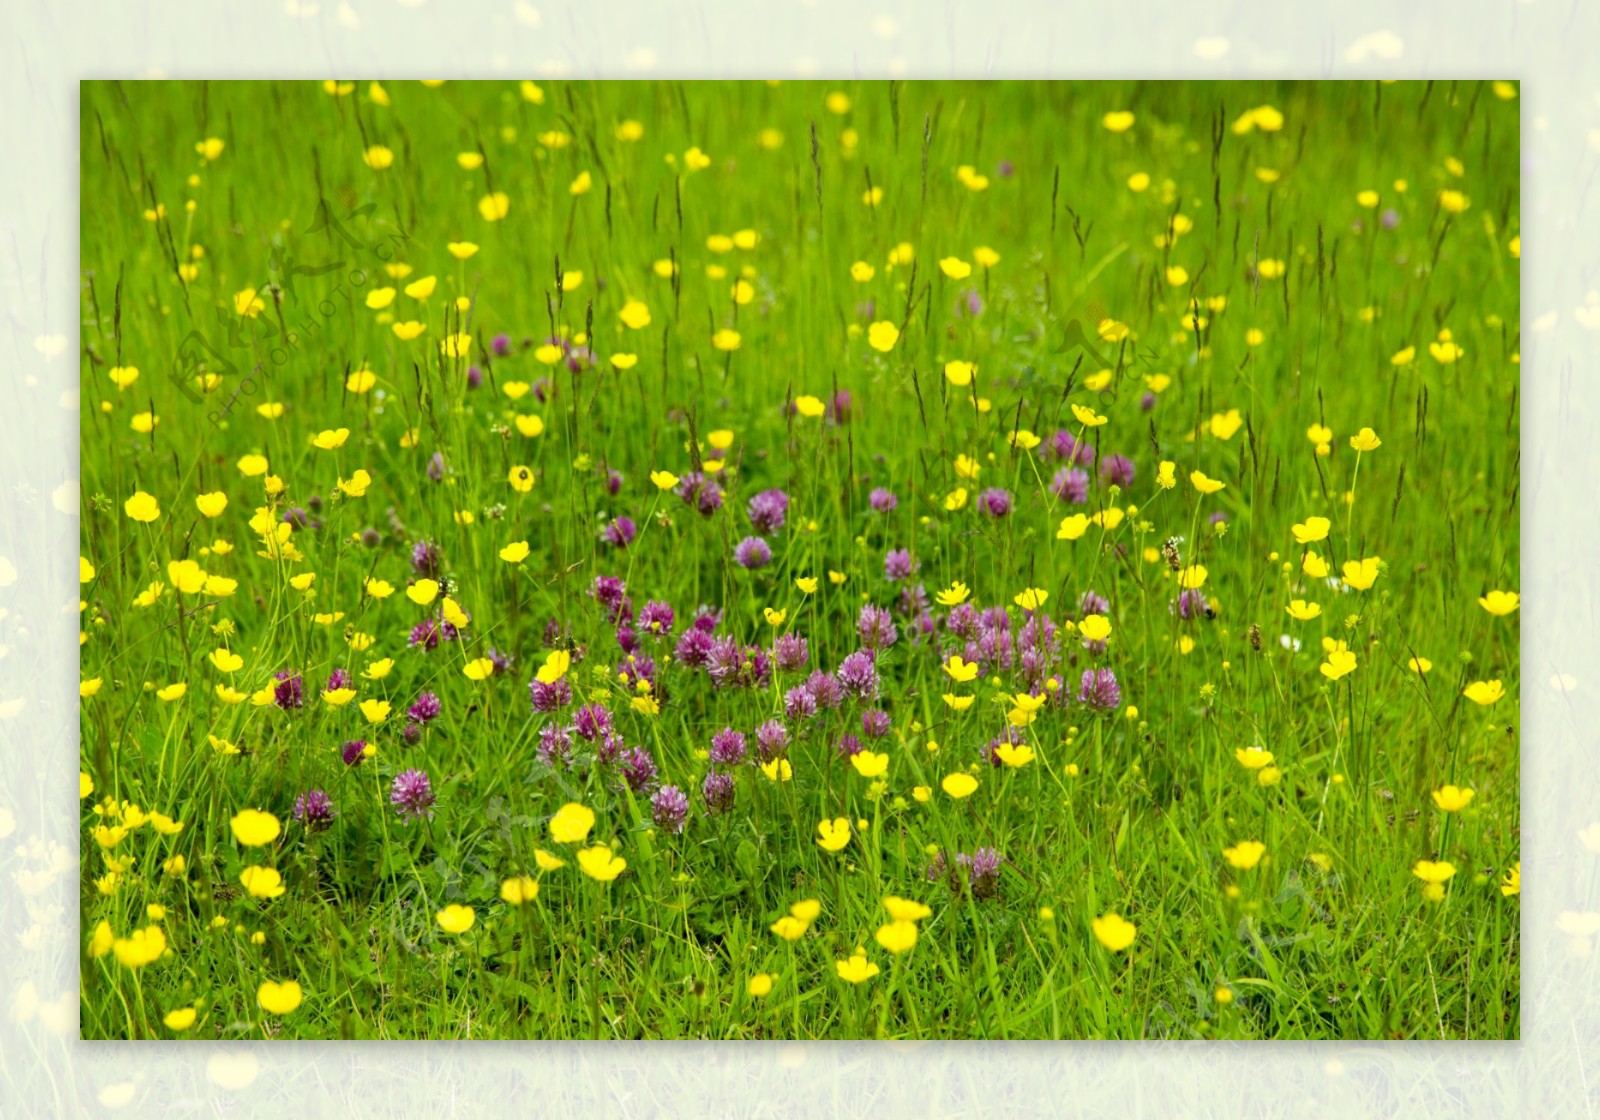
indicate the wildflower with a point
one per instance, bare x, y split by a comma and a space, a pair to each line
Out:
601, 863
1203, 484
279, 998
314, 810
959, 785
254, 828
1511, 884
669, 809
1366, 440
1340, 663
1114, 932
1245, 854
456, 918
519, 890
832, 835
1098, 689
959, 670
262, 882
857, 968
1434, 876
759, 985
1452, 799
412, 795
1484, 692
1500, 603
571, 823
717, 789
1312, 530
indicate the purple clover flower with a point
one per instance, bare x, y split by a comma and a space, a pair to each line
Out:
412, 795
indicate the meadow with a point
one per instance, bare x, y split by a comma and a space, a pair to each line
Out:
800, 560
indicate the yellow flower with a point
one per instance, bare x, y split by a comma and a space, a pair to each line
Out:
1452, 799
1366, 440
1314, 566
1031, 599
810, 407
1072, 527
519, 889
478, 669
1225, 425
1203, 484
1245, 854
515, 552
555, 666
494, 207
1500, 602
1015, 755
958, 703
955, 268
1512, 883
1095, 627
959, 670
882, 335
956, 499
1340, 663
226, 660
375, 711
423, 592
212, 504
1314, 529
1434, 876
599, 862
857, 968
959, 785
959, 373
1088, 417
807, 584
664, 480
1114, 932
247, 303
1302, 610
726, 339
833, 835
634, 315
1419, 665
1484, 692
1252, 758
778, 770
142, 507
278, 998
897, 936
139, 948
456, 918
331, 438
1119, 120
179, 1019
254, 828
262, 882
869, 764
571, 823
760, 984
521, 479
1361, 574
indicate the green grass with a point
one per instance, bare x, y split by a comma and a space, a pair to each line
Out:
1127, 812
